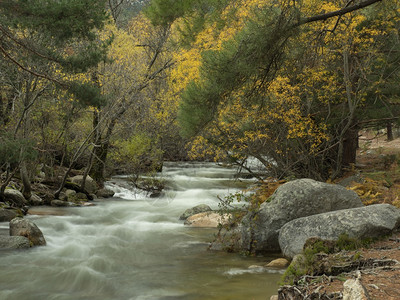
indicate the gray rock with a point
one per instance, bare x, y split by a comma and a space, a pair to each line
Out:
295, 199
15, 197
354, 290
195, 210
13, 242
63, 197
91, 186
363, 222
36, 200
28, 229
6, 215
207, 219
60, 203
81, 196
104, 193
70, 193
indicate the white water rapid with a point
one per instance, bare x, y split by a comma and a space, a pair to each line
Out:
135, 247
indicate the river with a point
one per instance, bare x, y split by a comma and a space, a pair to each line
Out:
135, 247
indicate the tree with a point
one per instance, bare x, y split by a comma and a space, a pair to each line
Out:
55, 35
246, 97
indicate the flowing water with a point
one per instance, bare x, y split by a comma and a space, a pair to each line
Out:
134, 247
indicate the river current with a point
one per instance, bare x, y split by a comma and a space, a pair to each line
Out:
135, 247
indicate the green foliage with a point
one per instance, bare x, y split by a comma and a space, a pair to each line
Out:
252, 55
62, 20
13, 151
55, 39
87, 94
310, 262
165, 12
138, 153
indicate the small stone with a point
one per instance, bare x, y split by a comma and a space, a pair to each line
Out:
354, 290
278, 263
59, 203
255, 267
274, 297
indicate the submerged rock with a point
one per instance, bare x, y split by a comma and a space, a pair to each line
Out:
60, 203
295, 199
28, 229
195, 210
14, 242
364, 222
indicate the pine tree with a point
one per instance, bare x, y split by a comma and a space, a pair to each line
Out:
52, 39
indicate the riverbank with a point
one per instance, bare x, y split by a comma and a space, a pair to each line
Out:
376, 179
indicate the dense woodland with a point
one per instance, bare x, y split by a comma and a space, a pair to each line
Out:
120, 86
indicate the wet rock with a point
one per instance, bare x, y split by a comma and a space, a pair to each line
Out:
91, 186
226, 240
28, 229
278, 263
15, 197
105, 193
13, 242
59, 203
6, 215
359, 223
195, 210
206, 219
295, 199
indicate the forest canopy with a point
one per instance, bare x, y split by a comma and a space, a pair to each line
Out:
120, 86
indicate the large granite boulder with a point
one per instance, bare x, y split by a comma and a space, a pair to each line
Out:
13, 242
195, 210
91, 186
6, 215
15, 197
295, 199
28, 229
363, 222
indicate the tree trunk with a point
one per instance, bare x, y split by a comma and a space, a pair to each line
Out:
100, 156
389, 129
350, 143
26, 190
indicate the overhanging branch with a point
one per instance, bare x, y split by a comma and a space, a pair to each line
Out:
336, 13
